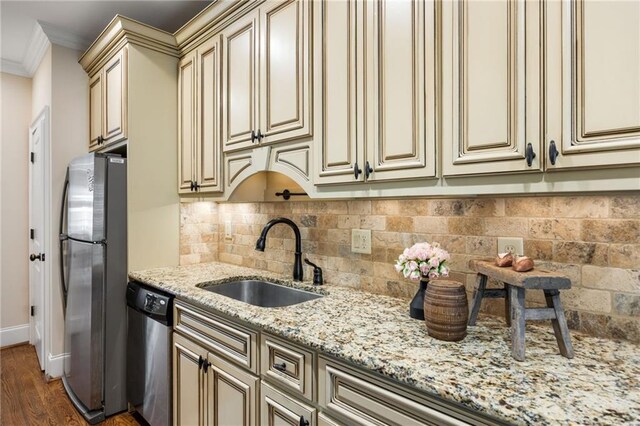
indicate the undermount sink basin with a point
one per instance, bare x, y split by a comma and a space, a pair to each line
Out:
262, 293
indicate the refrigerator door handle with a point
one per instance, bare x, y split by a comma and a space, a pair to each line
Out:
63, 238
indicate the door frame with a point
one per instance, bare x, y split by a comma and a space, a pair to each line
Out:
43, 119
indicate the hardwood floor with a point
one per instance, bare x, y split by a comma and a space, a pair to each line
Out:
27, 399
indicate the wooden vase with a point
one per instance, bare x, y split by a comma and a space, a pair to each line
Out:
446, 310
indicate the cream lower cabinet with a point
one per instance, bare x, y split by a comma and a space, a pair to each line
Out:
199, 152
593, 84
108, 102
280, 409
384, 129
491, 86
266, 75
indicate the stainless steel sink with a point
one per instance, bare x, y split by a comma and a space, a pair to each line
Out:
261, 293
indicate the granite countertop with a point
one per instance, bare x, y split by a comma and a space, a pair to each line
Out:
601, 385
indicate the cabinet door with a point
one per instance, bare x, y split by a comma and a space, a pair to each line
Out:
95, 111
338, 108
593, 90
491, 83
285, 64
232, 394
188, 382
115, 98
240, 82
400, 70
278, 409
208, 120
187, 98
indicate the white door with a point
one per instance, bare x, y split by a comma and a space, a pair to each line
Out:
37, 142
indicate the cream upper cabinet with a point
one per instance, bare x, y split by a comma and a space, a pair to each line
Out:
188, 382
266, 75
400, 92
491, 86
199, 153
108, 102
338, 45
593, 91
186, 122
240, 82
383, 129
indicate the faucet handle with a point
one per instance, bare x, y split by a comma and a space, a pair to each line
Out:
317, 272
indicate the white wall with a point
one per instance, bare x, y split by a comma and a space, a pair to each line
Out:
69, 139
15, 112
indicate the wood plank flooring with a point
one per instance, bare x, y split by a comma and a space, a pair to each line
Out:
27, 399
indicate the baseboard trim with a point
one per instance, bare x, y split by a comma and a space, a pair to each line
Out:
55, 365
13, 335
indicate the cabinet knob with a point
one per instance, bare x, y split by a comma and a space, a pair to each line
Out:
34, 257
529, 155
259, 135
356, 170
553, 153
303, 421
200, 362
100, 140
367, 170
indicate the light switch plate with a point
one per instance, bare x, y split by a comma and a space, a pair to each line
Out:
361, 241
510, 244
228, 230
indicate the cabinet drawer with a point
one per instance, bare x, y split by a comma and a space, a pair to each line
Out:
277, 408
289, 365
234, 342
365, 401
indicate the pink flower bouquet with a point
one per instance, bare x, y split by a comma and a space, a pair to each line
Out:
423, 260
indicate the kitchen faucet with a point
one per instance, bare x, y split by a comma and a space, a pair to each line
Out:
297, 264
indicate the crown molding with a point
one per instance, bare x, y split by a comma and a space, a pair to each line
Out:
36, 50
13, 67
62, 37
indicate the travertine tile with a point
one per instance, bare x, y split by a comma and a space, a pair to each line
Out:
585, 206
611, 230
586, 299
429, 224
385, 207
482, 246
446, 208
572, 271
359, 207
399, 224
538, 249
625, 206
506, 226
626, 304
466, 225
480, 207
624, 255
580, 252
567, 229
541, 228
375, 223
414, 207
529, 207
350, 221
613, 279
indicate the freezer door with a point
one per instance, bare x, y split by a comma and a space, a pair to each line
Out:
86, 198
84, 323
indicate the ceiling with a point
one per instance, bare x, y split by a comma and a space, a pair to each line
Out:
83, 21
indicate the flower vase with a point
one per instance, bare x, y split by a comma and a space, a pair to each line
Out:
416, 307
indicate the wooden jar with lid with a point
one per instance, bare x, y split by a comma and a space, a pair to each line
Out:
446, 310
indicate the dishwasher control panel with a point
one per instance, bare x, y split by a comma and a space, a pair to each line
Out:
154, 303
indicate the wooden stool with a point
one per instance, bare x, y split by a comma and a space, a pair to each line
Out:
515, 286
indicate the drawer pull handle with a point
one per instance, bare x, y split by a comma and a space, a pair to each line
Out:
303, 421
529, 154
553, 152
280, 367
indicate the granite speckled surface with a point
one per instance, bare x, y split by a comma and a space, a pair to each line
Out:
601, 385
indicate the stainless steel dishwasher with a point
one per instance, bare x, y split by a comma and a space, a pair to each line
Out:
150, 322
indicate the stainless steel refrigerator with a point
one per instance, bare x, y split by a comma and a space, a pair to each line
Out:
94, 281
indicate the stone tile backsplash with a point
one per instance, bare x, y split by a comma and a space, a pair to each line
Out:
595, 240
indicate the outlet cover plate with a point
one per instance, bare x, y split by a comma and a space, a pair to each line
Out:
514, 245
361, 241
228, 230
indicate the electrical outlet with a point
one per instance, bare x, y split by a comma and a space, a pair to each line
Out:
510, 244
228, 230
361, 241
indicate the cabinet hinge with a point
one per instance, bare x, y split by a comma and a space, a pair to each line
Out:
32, 157
32, 233
33, 310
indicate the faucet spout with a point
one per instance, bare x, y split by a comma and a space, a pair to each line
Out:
297, 263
